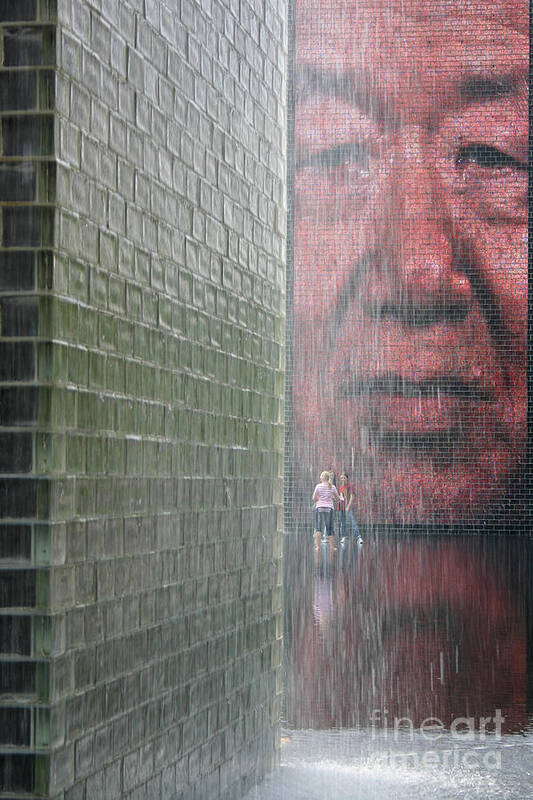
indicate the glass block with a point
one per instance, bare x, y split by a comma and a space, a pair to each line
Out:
17, 772
18, 90
17, 181
15, 635
15, 727
17, 588
28, 135
23, 46
18, 677
18, 10
20, 316
16, 452
15, 541
17, 270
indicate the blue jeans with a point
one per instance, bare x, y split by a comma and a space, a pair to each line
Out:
353, 523
324, 518
342, 522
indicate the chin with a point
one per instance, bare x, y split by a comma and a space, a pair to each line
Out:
414, 497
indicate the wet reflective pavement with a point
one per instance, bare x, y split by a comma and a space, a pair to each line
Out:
407, 669
351, 765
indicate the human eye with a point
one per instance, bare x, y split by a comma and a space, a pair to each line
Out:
332, 179
488, 157
494, 180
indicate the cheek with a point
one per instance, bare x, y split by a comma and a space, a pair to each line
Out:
315, 264
325, 257
505, 267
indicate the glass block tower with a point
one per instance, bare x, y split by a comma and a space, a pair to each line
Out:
142, 275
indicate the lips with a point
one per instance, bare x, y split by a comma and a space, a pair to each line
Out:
396, 386
420, 414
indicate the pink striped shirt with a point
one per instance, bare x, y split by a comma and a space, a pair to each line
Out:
324, 496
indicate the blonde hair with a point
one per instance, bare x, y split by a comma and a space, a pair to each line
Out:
326, 476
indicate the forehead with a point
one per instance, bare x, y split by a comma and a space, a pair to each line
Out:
401, 44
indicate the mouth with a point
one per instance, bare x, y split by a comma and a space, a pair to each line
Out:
433, 389
428, 415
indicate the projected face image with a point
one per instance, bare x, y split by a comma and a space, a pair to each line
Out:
410, 252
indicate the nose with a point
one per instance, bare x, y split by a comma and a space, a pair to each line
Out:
423, 263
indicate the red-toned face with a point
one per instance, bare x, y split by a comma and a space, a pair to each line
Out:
410, 255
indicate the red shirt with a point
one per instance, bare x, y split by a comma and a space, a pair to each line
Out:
345, 490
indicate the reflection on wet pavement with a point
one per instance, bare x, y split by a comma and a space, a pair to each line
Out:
406, 671
351, 765
408, 627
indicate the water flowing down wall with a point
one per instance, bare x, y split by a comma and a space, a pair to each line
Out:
411, 260
142, 350
409, 369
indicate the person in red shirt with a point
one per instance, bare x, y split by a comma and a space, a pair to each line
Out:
345, 506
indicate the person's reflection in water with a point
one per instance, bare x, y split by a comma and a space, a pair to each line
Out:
411, 628
410, 253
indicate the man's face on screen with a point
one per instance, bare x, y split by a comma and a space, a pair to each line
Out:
410, 255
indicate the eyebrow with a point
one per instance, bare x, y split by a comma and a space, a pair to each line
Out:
310, 81
473, 87
333, 156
